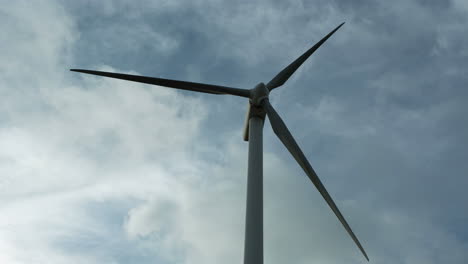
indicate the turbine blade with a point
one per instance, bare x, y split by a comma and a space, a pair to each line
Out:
189, 86
285, 136
284, 75
246, 123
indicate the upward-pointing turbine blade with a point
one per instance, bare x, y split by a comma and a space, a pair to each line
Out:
284, 75
285, 136
189, 86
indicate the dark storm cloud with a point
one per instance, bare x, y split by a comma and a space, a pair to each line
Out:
390, 84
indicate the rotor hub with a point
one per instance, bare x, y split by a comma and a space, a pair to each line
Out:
258, 94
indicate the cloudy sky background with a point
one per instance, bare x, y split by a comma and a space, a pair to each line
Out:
94, 170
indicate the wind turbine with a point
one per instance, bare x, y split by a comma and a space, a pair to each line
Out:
259, 107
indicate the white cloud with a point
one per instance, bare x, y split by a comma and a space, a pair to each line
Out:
64, 147
70, 142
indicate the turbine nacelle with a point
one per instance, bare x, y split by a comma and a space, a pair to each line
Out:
255, 107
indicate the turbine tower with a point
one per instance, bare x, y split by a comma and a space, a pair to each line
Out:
259, 107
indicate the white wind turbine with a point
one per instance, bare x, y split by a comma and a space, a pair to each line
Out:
259, 107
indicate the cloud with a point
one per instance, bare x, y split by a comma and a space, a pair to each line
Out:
97, 170
65, 147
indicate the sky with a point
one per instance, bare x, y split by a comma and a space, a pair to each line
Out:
95, 170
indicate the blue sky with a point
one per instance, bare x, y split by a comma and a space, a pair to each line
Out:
94, 170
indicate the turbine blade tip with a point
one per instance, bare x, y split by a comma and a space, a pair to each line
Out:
83, 71
365, 255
